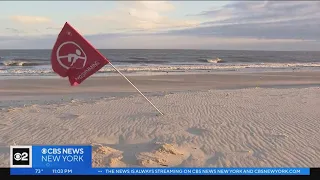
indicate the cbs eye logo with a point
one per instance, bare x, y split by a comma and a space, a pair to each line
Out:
21, 156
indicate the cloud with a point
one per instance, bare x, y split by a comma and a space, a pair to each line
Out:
186, 42
30, 19
54, 28
243, 25
14, 30
27, 31
151, 41
138, 16
268, 19
264, 11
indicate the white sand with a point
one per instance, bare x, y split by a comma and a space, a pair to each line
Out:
253, 127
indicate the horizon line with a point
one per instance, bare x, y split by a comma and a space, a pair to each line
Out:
187, 49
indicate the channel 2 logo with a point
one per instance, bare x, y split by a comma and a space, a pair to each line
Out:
20, 156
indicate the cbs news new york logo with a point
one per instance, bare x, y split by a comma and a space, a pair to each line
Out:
20, 156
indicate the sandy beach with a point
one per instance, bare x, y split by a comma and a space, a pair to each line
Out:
210, 120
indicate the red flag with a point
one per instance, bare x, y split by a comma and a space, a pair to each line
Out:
74, 57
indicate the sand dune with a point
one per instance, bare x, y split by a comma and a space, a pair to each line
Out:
255, 127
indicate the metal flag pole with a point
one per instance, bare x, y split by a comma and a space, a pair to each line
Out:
135, 87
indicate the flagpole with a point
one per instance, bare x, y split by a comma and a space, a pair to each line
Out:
135, 87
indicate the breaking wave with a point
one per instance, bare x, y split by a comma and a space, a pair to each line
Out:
167, 68
141, 61
23, 62
217, 60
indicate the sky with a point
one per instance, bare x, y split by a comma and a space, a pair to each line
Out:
229, 25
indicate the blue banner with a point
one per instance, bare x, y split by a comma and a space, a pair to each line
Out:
160, 171
61, 156
76, 160
52, 156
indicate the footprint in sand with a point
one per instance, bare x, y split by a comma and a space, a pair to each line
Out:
34, 111
276, 139
2, 126
197, 158
67, 116
218, 160
196, 131
278, 136
164, 155
139, 116
138, 155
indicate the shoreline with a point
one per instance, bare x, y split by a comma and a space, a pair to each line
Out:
107, 71
25, 92
223, 78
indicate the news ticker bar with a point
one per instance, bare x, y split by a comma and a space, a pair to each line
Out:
160, 171
77, 160
6, 172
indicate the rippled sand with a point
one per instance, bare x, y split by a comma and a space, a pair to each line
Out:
250, 127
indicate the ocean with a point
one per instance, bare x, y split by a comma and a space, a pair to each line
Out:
36, 63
